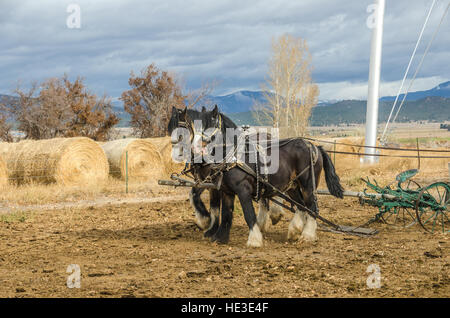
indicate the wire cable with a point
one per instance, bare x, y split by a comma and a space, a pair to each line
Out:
421, 62
407, 69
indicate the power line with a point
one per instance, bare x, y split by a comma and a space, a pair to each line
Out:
421, 62
407, 69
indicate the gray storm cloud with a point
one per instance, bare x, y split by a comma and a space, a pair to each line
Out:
226, 41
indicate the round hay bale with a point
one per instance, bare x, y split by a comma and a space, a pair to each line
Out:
164, 146
159, 142
66, 161
144, 160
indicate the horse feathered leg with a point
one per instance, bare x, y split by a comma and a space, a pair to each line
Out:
202, 217
214, 199
263, 213
255, 238
298, 221
275, 213
222, 235
310, 228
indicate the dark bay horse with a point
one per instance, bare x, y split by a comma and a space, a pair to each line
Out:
298, 161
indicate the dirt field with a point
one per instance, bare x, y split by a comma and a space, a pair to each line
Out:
155, 250
142, 245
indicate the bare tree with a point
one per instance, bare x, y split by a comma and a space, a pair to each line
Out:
200, 97
92, 116
150, 101
289, 89
60, 108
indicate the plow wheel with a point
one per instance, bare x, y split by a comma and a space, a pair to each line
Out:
432, 207
412, 185
399, 217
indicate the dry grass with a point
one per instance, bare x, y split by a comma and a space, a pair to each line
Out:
348, 168
37, 194
3, 172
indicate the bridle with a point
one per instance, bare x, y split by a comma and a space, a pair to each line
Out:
188, 124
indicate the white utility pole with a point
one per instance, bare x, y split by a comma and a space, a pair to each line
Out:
374, 81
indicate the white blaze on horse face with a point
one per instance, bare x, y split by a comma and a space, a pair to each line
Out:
181, 145
197, 144
212, 150
197, 139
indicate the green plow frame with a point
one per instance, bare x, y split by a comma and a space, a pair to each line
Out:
408, 203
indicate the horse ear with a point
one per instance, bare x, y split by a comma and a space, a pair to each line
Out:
203, 109
215, 111
183, 114
173, 122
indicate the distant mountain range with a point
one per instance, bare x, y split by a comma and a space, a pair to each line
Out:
237, 102
431, 105
433, 109
442, 90
243, 101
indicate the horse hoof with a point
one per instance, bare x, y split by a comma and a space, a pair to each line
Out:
293, 237
255, 238
254, 244
308, 238
202, 222
219, 240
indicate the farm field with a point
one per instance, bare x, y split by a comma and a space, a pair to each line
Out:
145, 244
155, 250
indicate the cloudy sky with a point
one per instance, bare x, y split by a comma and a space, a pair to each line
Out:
227, 41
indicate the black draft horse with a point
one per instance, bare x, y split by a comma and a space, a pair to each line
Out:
294, 177
205, 220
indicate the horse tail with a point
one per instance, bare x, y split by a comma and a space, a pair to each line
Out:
332, 179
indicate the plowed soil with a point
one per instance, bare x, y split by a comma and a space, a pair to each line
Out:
155, 250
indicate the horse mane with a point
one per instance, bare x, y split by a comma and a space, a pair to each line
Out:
195, 114
227, 122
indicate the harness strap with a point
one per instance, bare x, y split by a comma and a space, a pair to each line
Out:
314, 154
